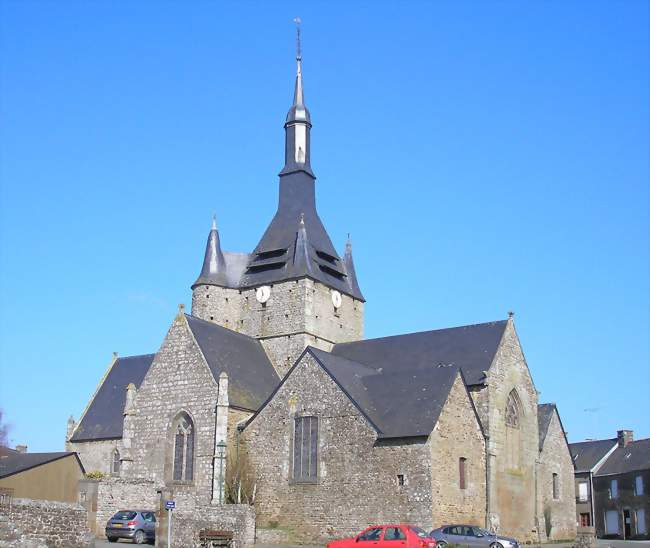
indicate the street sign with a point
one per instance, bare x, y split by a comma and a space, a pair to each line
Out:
170, 504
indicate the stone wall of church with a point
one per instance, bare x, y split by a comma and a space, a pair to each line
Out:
285, 351
555, 458
512, 451
357, 481
458, 436
219, 305
96, 456
178, 380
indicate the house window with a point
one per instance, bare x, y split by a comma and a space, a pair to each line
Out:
462, 465
183, 431
585, 520
556, 487
583, 491
641, 528
115, 465
400, 479
638, 486
305, 449
613, 489
611, 522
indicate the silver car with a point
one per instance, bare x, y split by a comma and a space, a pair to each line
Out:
137, 525
471, 536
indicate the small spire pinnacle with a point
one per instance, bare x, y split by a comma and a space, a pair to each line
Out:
297, 21
298, 95
302, 219
214, 221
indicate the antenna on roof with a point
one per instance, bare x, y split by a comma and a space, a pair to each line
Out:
297, 21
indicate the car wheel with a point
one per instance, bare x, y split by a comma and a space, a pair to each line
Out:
441, 544
139, 537
112, 539
496, 545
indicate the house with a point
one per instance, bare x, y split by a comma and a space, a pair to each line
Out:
41, 476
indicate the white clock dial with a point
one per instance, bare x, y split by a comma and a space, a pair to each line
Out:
336, 299
263, 293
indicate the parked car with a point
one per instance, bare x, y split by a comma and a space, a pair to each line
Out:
472, 536
387, 536
137, 525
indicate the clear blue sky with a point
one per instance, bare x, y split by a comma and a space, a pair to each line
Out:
485, 156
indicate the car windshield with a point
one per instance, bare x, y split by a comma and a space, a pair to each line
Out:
124, 515
485, 532
419, 532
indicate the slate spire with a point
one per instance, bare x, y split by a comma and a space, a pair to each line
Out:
298, 123
214, 263
348, 264
296, 244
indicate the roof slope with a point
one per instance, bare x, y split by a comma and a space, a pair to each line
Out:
104, 417
544, 415
587, 454
21, 462
635, 456
398, 401
471, 348
251, 376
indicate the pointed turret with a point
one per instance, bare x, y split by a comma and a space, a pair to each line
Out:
348, 264
214, 263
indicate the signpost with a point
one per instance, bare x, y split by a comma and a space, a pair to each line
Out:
169, 506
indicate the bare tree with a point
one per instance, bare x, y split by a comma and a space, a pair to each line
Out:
4, 430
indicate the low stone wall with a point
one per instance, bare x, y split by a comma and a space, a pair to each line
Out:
236, 518
58, 524
115, 494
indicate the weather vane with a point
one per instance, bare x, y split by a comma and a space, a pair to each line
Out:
297, 21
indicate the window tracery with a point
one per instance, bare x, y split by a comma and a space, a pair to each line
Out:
183, 431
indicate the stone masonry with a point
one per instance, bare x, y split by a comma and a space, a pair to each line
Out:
59, 524
512, 452
358, 476
555, 458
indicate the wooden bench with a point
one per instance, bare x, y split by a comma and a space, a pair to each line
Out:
212, 538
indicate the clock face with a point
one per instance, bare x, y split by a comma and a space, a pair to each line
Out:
336, 299
263, 293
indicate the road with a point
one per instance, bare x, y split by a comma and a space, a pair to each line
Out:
601, 544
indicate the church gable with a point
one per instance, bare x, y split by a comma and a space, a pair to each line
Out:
325, 454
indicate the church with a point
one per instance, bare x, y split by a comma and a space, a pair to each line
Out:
269, 380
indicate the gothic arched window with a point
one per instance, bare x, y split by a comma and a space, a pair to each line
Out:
512, 410
115, 464
183, 440
513, 445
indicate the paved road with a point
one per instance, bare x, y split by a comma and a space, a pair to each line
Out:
601, 544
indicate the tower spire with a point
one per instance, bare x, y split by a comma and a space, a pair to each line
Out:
298, 122
213, 271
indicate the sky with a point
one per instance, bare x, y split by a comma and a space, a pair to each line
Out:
484, 156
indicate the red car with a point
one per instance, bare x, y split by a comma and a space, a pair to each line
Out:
387, 536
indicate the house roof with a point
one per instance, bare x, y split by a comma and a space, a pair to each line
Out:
20, 462
635, 456
398, 400
544, 415
104, 417
251, 376
471, 348
587, 454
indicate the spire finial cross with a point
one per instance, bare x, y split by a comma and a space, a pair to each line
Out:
297, 21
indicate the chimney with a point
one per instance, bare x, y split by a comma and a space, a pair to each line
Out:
625, 437
21, 448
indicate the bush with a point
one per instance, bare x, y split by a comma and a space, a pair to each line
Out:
95, 474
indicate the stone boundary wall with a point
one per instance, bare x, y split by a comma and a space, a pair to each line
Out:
237, 518
115, 494
59, 524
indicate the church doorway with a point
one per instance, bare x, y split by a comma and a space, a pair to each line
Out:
627, 524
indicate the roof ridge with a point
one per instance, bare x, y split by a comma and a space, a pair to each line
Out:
221, 327
136, 356
424, 331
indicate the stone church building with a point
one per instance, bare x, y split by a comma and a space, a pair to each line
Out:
338, 431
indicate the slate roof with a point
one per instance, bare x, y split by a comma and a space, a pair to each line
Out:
471, 348
587, 454
635, 456
20, 462
399, 401
104, 416
251, 376
544, 415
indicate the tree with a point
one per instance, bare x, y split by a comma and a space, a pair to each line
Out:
4, 430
